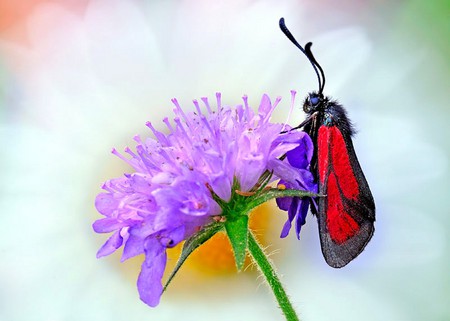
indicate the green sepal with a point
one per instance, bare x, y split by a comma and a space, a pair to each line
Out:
192, 243
237, 231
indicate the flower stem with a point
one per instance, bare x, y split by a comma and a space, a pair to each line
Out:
269, 272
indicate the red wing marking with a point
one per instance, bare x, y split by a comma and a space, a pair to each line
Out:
341, 165
323, 141
340, 224
336, 172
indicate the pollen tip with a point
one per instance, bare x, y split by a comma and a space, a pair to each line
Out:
245, 99
206, 102
219, 100
177, 105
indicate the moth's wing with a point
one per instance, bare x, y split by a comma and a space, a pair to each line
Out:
346, 215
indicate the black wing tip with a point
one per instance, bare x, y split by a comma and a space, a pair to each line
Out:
336, 264
338, 256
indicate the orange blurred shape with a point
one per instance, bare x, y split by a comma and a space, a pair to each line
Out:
15, 13
216, 256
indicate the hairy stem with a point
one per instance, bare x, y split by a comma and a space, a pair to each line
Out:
269, 272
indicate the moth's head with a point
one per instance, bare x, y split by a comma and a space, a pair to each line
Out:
313, 102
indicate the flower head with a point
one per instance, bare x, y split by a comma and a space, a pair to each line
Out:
179, 176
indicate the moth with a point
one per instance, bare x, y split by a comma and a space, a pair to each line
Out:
346, 213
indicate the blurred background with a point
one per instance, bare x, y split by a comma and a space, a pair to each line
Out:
78, 77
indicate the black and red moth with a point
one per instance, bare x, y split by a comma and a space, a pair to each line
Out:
346, 214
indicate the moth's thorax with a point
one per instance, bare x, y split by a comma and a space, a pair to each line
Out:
327, 112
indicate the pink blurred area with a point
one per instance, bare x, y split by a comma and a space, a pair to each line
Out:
14, 15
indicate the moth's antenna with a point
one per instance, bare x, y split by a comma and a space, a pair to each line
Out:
307, 52
310, 56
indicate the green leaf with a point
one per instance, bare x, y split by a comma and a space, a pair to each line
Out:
192, 243
237, 231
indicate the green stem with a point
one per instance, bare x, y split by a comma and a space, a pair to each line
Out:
269, 272
277, 193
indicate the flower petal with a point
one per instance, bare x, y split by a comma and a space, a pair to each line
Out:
300, 157
149, 281
174, 237
301, 215
106, 225
105, 203
221, 185
133, 246
112, 244
284, 203
291, 215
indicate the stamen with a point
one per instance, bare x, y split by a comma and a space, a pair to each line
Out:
168, 124
130, 152
207, 125
183, 131
159, 136
197, 107
293, 93
269, 114
115, 152
148, 163
219, 102
247, 108
180, 111
205, 101
106, 187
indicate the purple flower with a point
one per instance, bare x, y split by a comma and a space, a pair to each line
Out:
168, 197
296, 175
